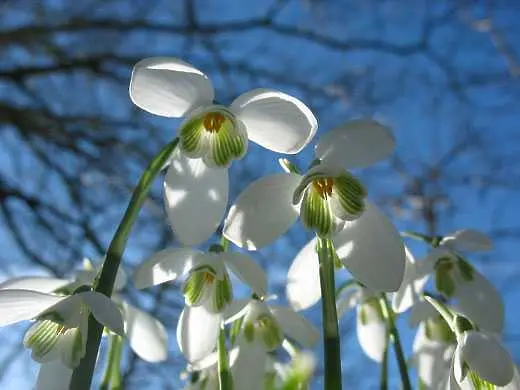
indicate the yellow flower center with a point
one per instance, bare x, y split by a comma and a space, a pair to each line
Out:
323, 186
209, 277
213, 121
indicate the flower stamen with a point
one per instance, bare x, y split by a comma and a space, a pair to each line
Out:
323, 186
213, 121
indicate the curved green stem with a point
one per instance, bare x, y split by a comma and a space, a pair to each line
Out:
398, 349
82, 376
331, 341
225, 380
112, 377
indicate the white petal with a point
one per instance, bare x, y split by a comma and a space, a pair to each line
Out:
104, 310
263, 211
53, 375
468, 240
247, 271
236, 309
295, 326
42, 284
169, 87
372, 250
371, 336
196, 197
515, 383
147, 336
275, 120
480, 301
303, 280
487, 358
431, 358
357, 144
197, 332
457, 368
166, 265
420, 312
412, 285
348, 299
248, 369
19, 305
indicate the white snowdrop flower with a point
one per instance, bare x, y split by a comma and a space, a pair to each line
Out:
212, 136
207, 290
258, 328
326, 198
60, 330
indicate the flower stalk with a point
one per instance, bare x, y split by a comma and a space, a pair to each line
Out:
112, 379
225, 380
398, 349
82, 377
331, 341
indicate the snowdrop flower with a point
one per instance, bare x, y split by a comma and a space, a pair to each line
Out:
378, 267
212, 136
433, 346
259, 328
480, 361
207, 291
53, 375
370, 321
325, 198
454, 278
60, 330
146, 335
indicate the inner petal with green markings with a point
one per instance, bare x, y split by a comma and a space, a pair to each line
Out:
329, 197
215, 135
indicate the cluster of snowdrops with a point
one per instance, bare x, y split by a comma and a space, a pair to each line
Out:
253, 342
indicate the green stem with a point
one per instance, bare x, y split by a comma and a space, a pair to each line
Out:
82, 376
112, 376
225, 380
383, 380
398, 349
331, 341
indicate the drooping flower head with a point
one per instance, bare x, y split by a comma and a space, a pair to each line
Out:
212, 136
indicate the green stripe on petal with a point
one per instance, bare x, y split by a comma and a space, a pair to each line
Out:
191, 134
348, 195
479, 383
41, 338
228, 144
316, 214
197, 283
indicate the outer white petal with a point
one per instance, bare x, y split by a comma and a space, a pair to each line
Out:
166, 265
456, 370
468, 240
420, 312
515, 383
295, 326
371, 336
169, 87
480, 301
348, 299
412, 285
196, 197
53, 375
487, 357
42, 284
197, 332
356, 144
275, 120
104, 310
236, 309
248, 369
372, 250
263, 211
19, 305
247, 271
147, 336
303, 280
431, 358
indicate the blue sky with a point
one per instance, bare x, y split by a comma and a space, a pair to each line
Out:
441, 77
